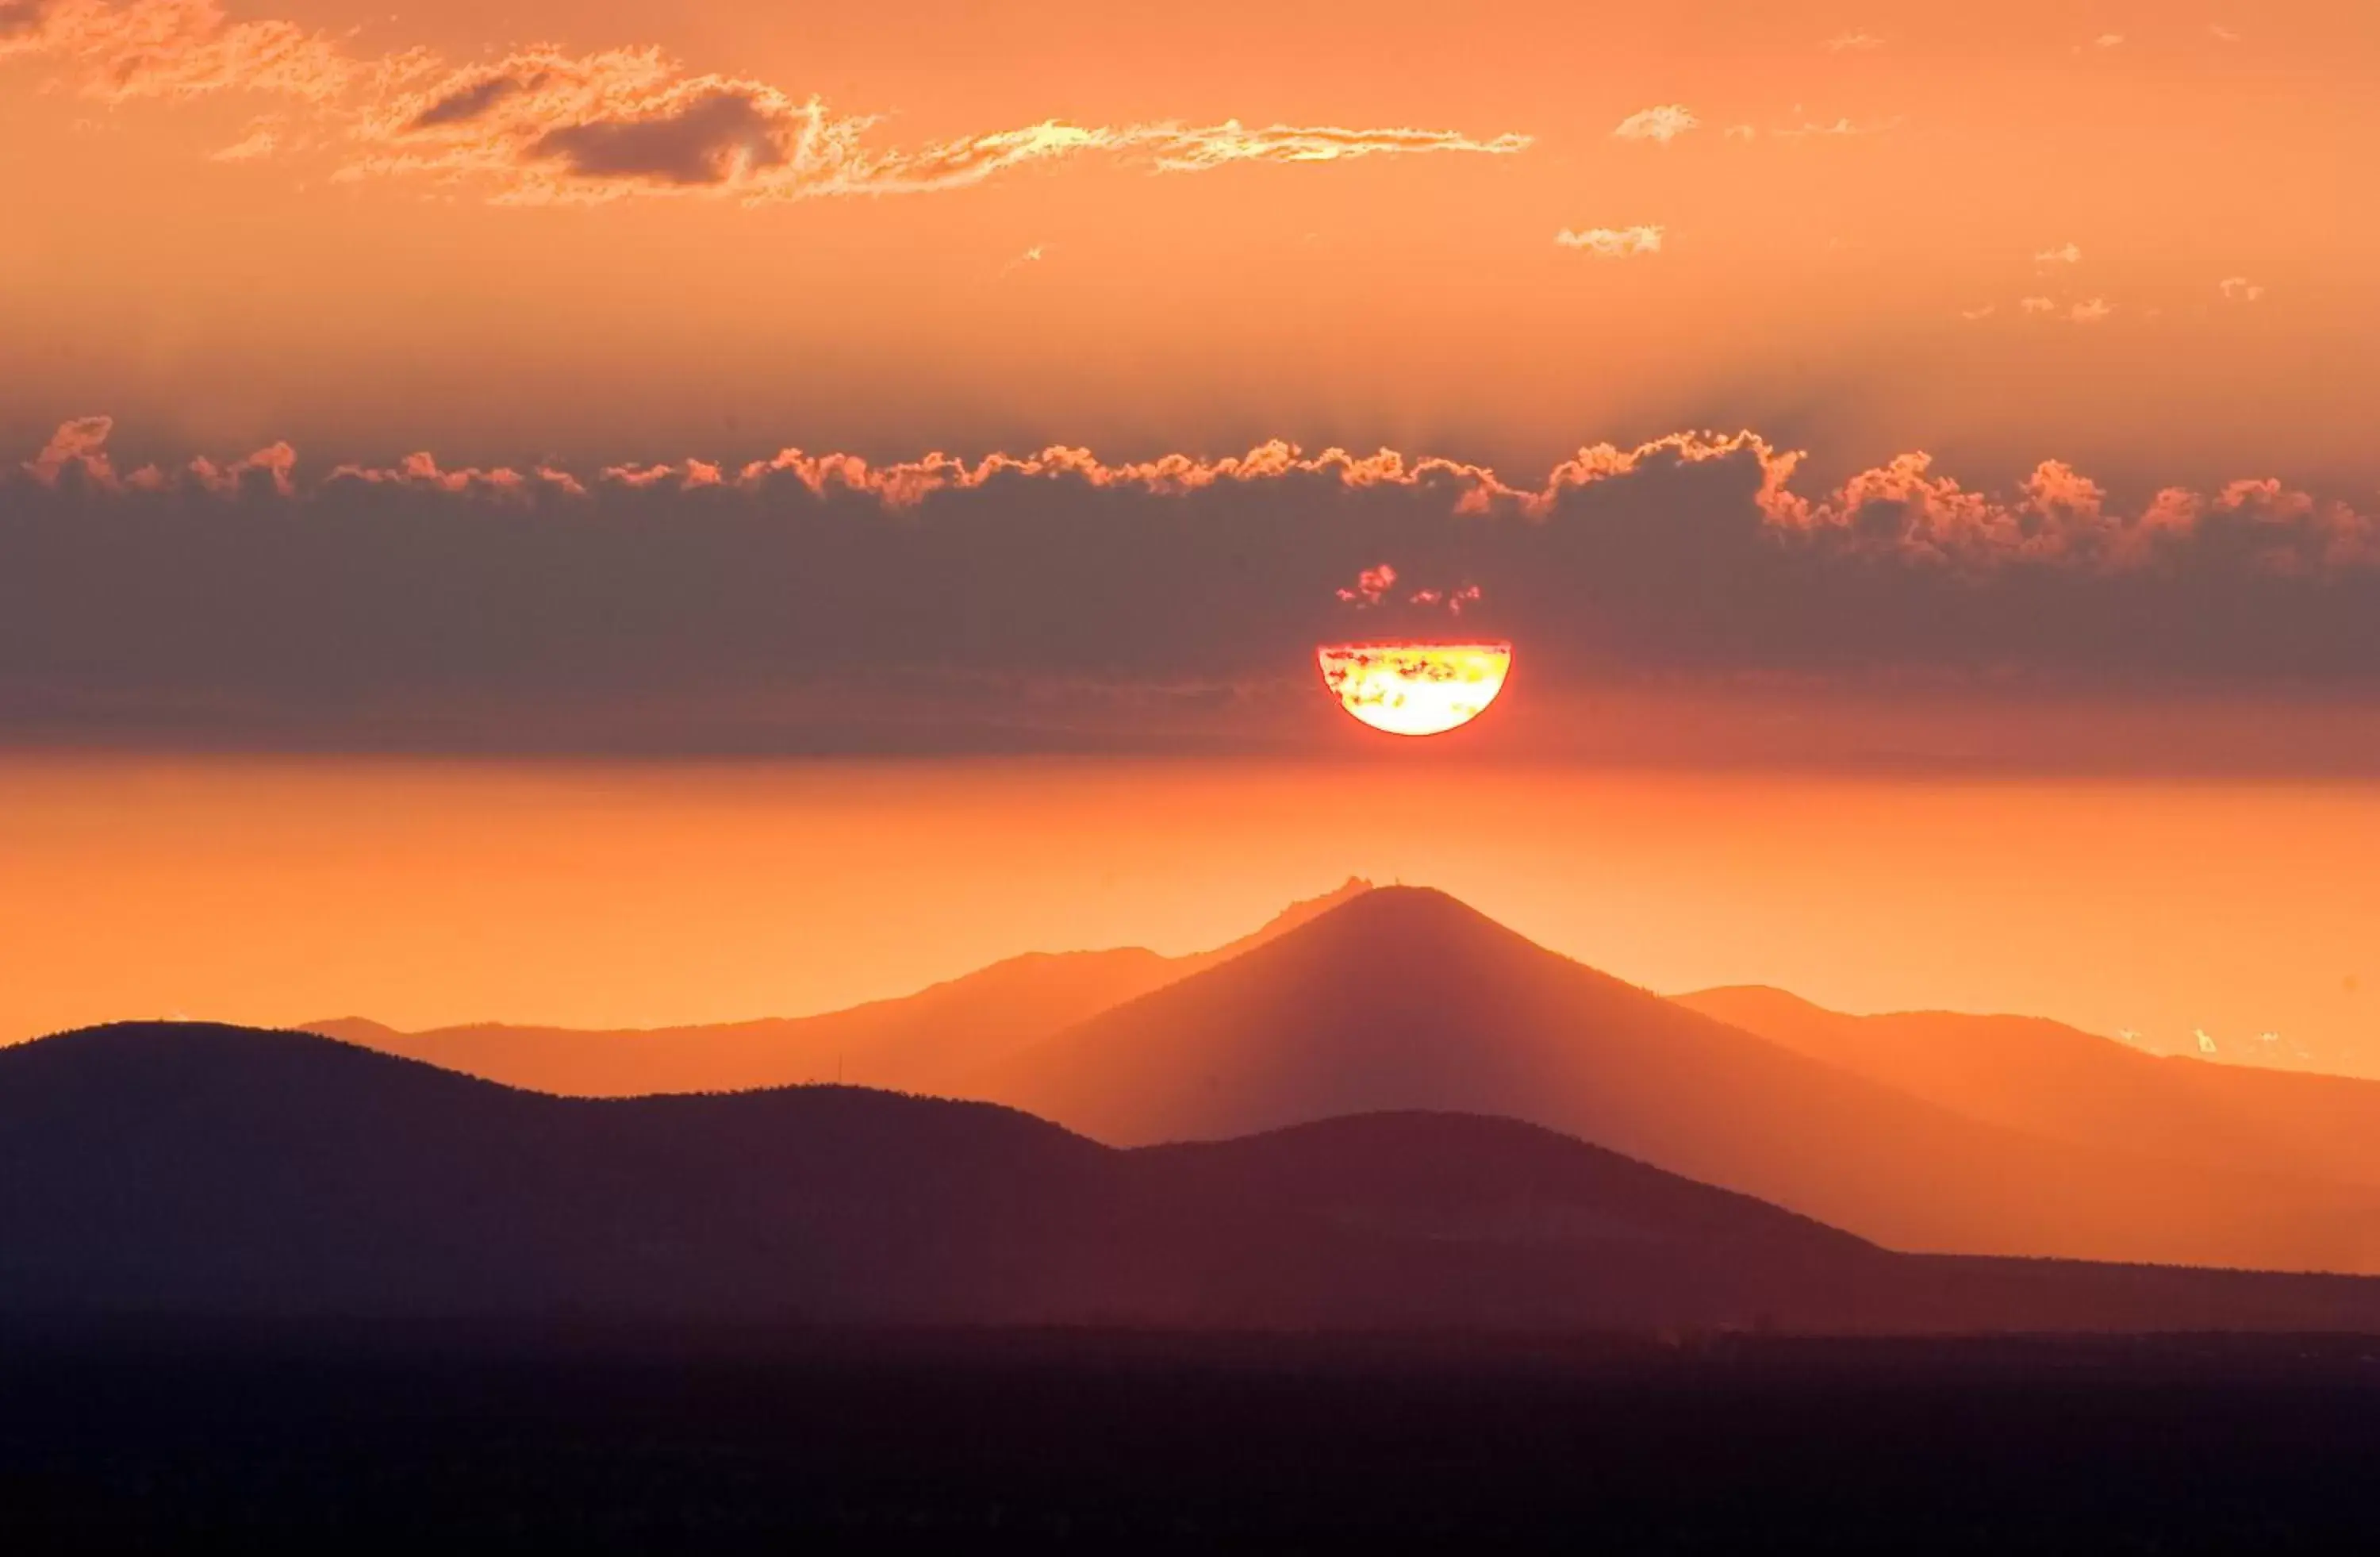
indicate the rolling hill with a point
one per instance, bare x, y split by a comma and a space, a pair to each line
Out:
192, 1169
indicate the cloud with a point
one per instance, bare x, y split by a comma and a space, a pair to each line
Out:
1612, 243
1839, 129
2065, 254
742, 139
264, 139
714, 136
2094, 311
1177, 148
2038, 305
2059, 516
2221, 34
541, 124
118, 51
79, 446
2240, 289
20, 20
824, 603
1660, 124
1986, 311
1454, 601
463, 104
1853, 42
1372, 586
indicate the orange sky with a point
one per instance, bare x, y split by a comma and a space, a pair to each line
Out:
610, 895
2050, 327
1813, 285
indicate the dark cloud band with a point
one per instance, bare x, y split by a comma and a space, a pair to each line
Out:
822, 604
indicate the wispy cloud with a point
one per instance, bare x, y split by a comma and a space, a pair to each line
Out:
2240, 289
2092, 311
1612, 243
542, 124
1837, 129
118, 51
264, 138
597, 127
2065, 254
1853, 42
1660, 124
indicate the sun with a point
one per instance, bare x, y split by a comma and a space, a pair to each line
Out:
1415, 688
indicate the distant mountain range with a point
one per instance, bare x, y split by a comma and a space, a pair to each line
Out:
182, 1169
1936, 1133
926, 1042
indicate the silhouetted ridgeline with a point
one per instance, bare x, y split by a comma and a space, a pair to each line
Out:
930, 1042
194, 1170
1952, 1135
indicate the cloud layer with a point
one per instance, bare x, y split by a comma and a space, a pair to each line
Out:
821, 602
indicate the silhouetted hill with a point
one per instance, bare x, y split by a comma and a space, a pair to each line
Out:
2050, 1080
1404, 998
190, 1169
924, 1042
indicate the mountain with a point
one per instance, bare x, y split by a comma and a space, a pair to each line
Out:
2050, 1080
918, 1043
1404, 998
197, 1169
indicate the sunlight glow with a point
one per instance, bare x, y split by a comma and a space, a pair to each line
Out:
1415, 688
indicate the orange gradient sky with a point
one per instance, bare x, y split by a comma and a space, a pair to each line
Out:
234, 246
604, 896
455, 461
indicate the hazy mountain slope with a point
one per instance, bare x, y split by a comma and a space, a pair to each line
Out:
906, 1044
2051, 1079
206, 1170
918, 1043
1405, 998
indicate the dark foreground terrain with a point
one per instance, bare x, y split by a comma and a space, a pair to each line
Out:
411, 1439
194, 1170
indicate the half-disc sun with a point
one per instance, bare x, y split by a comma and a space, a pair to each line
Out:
1415, 688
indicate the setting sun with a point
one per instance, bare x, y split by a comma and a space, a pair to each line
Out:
1415, 688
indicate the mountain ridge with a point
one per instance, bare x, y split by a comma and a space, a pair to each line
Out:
915, 1042
2047, 1077
194, 1170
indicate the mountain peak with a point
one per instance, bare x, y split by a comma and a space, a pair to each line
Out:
1364, 919
1402, 914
